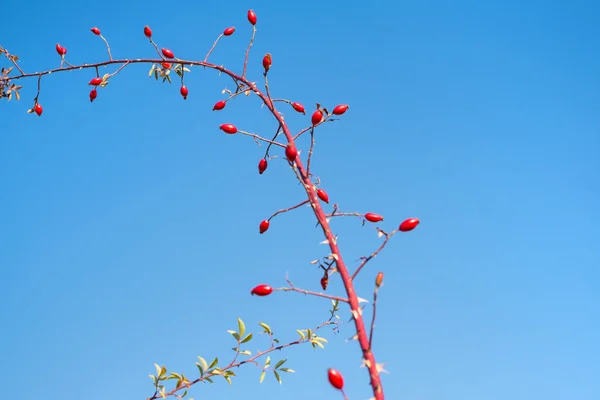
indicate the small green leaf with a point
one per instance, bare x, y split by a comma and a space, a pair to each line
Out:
280, 363
309, 332
287, 370
268, 361
241, 327
204, 363
262, 376
246, 352
277, 376
186, 69
158, 369
212, 364
266, 327
228, 379
247, 338
301, 334
200, 369
208, 379
151, 71
234, 334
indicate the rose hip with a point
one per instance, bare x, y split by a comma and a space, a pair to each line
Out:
148, 32
323, 195
291, 152
335, 378
95, 82
38, 109
228, 128
219, 105
317, 117
251, 17
264, 226
184, 92
96, 31
229, 31
267, 61
167, 53
339, 110
409, 224
262, 166
299, 107
93, 95
262, 290
371, 217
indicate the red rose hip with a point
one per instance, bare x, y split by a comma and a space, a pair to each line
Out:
147, 32
184, 92
267, 61
229, 31
264, 226
38, 109
95, 82
339, 110
335, 378
219, 105
317, 117
251, 17
323, 195
262, 166
291, 153
95, 31
167, 53
166, 65
262, 290
93, 95
228, 128
372, 217
409, 224
60, 50
299, 107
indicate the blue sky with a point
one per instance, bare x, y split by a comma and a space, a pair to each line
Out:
129, 227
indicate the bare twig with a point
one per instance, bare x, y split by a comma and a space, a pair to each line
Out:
388, 236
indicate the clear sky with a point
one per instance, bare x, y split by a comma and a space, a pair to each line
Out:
129, 226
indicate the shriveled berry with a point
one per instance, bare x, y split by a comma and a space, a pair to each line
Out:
61, 50
96, 31
93, 95
409, 224
291, 152
219, 105
167, 53
371, 217
335, 378
324, 282
267, 61
184, 92
38, 109
95, 82
339, 110
148, 32
228, 128
229, 31
299, 107
264, 226
262, 166
251, 17
379, 279
166, 65
317, 117
323, 195
262, 290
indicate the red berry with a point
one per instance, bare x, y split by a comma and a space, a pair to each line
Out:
291, 153
267, 61
184, 92
229, 31
323, 195
219, 105
317, 117
167, 53
38, 109
166, 65
371, 217
262, 290
95, 81
228, 128
251, 17
264, 226
324, 282
148, 32
262, 166
339, 110
335, 378
299, 107
409, 224
61, 50
96, 31
93, 95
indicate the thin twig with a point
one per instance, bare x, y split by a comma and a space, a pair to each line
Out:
288, 209
248, 51
213, 47
388, 236
262, 139
107, 46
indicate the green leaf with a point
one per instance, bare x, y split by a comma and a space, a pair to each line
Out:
246, 352
212, 364
268, 362
208, 379
228, 379
262, 376
301, 334
200, 369
151, 71
234, 334
241, 327
277, 376
287, 370
280, 363
309, 333
186, 69
266, 327
204, 363
158, 369
247, 338
156, 74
